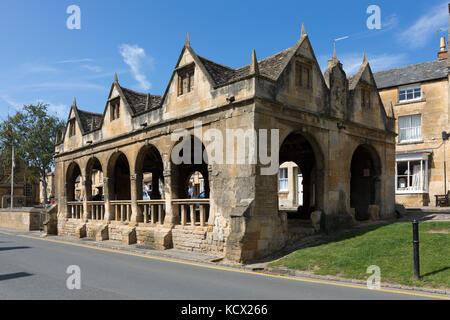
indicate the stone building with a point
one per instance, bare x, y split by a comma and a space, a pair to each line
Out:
418, 96
26, 193
333, 127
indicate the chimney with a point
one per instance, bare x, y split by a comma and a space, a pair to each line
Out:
443, 52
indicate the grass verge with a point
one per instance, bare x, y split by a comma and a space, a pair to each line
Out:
389, 247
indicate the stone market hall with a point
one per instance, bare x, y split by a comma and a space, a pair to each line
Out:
334, 128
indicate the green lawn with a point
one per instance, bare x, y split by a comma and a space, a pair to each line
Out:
389, 247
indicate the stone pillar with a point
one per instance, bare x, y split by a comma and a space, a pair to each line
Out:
170, 192
136, 215
63, 202
84, 194
107, 196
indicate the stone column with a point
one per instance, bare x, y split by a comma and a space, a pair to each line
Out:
170, 192
85, 200
136, 215
107, 196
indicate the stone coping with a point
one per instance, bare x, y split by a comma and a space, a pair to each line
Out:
24, 209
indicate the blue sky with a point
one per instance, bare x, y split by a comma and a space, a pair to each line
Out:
42, 60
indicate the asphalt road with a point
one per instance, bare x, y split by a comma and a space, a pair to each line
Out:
36, 269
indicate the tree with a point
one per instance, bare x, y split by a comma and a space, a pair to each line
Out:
32, 131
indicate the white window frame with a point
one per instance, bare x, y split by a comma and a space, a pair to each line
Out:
423, 158
410, 128
409, 88
283, 180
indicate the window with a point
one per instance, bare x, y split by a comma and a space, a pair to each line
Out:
365, 97
304, 75
412, 176
72, 130
410, 128
115, 109
283, 180
409, 94
185, 81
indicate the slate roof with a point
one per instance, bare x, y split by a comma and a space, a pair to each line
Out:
90, 121
426, 71
138, 101
270, 68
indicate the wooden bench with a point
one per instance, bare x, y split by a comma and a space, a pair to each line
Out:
443, 200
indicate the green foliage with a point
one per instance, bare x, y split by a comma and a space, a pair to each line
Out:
389, 247
32, 132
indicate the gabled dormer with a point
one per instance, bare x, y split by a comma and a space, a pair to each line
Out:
337, 82
365, 105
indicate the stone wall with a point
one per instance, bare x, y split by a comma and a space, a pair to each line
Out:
27, 219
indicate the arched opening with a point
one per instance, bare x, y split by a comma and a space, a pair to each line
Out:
74, 191
74, 183
190, 182
120, 184
190, 165
365, 180
300, 179
149, 170
94, 181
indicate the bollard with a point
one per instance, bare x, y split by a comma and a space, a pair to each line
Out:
416, 249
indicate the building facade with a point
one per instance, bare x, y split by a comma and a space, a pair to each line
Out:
418, 97
333, 128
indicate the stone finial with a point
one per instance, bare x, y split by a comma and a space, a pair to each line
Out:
334, 53
74, 104
443, 45
254, 68
364, 57
303, 30
188, 42
115, 77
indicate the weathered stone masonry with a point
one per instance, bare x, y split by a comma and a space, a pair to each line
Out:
335, 128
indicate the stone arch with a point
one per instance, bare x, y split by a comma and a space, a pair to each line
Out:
365, 180
119, 174
181, 172
149, 162
73, 172
94, 177
304, 150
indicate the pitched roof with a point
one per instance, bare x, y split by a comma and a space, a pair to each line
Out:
426, 71
138, 101
89, 121
270, 68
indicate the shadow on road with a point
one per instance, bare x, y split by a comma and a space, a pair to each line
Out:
13, 248
11, 276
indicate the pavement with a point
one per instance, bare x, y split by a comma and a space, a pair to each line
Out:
36, 268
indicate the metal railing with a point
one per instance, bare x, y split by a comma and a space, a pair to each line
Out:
154, 211
194, 212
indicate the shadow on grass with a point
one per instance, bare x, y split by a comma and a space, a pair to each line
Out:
435, 272
323, 239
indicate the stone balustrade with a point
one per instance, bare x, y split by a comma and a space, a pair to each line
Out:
193, 212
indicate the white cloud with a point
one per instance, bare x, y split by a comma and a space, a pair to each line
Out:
92, 68
75, 61
134, 56
59, 110
418, 35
